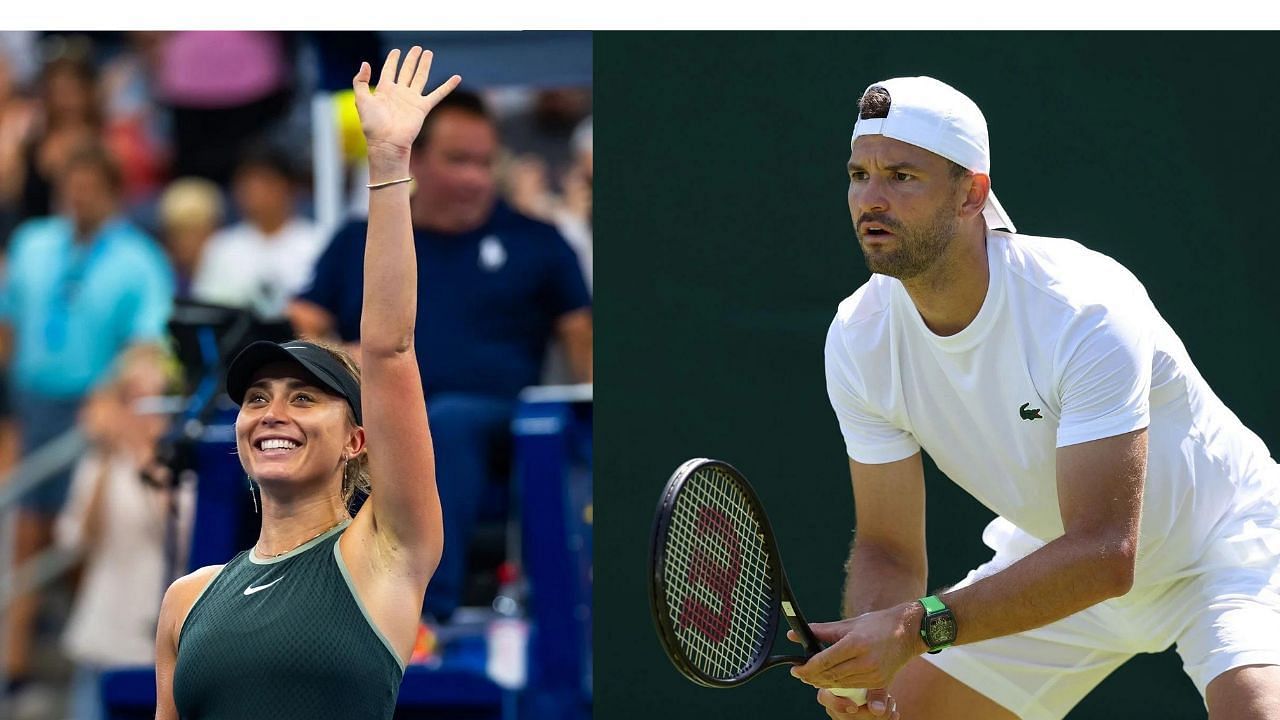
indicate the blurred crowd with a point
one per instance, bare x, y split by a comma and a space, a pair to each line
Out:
147, 169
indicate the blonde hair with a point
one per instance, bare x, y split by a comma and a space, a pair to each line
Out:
355, 474
191, 201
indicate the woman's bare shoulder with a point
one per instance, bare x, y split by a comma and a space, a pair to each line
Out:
182, 595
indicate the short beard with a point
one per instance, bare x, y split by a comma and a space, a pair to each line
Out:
919, 247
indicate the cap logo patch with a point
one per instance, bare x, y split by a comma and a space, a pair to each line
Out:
875, 103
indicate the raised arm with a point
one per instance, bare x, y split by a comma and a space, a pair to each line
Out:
404, 501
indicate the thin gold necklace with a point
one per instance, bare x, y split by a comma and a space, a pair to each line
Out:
295, 547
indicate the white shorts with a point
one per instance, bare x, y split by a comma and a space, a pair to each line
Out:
1221, 619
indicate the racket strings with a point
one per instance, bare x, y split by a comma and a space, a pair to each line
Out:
703, 609
747, 612
719, 592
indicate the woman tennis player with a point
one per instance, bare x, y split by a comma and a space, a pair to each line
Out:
318, 619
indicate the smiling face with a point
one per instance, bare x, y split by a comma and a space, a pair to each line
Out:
906, 204
291, 429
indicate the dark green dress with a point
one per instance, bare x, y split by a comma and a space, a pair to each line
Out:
284, 638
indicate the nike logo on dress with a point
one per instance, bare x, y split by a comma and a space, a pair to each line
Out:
251, 589
1031, 414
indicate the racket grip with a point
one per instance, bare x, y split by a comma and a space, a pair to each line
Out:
857, 695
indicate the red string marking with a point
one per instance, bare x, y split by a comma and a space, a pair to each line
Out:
720, 579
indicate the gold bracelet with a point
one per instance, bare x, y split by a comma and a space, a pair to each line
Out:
375, 186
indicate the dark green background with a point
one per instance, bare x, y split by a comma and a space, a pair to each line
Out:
726, 245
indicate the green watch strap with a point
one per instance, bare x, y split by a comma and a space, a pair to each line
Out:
937, 619
932, 604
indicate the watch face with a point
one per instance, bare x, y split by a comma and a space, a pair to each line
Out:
941, 629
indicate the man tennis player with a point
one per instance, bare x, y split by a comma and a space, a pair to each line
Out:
1135, 510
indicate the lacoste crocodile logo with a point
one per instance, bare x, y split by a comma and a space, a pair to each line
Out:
1032, 414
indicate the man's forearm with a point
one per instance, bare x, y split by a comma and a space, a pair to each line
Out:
580, 361
310, 321
575, 330
1060, 579
877, 578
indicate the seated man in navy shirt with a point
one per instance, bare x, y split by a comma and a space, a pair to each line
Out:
493, 287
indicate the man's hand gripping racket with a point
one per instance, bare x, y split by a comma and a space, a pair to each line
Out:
717, 587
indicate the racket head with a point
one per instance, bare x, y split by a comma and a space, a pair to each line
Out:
715, 582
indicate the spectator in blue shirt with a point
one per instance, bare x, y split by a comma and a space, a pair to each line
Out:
494, 287
81, 288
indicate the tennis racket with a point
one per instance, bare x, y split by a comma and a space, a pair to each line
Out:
716, 583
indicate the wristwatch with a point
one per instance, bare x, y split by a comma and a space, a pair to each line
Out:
938, 626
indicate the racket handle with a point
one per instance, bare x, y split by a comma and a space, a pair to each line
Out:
857, 695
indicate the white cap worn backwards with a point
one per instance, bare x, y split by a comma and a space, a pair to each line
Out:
931, 114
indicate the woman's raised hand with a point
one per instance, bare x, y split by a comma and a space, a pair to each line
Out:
392, 113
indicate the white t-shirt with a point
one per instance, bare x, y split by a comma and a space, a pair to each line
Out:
242, 267
1066, 348
113, 617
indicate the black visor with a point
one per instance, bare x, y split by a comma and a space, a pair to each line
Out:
326, 368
